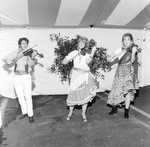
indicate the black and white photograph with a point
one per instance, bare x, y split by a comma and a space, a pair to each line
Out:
74, 73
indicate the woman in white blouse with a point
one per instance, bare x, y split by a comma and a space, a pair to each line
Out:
82, 85
125, 81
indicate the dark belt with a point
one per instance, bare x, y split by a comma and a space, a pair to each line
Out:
19, 72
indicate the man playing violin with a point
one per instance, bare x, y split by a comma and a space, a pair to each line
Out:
22, 78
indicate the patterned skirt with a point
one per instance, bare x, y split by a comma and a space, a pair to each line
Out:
123, 84
82, 88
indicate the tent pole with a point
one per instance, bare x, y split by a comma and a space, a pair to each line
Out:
101, 12
143, 49
27, 32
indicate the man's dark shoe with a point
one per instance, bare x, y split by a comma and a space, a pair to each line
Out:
22, 116
31, 119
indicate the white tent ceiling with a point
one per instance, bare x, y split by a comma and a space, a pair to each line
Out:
75, 13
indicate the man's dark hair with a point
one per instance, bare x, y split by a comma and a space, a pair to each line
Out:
21, 39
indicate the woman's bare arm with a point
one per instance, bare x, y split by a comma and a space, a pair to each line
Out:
88, 60
134, 50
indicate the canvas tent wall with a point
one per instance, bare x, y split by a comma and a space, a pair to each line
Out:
47, 83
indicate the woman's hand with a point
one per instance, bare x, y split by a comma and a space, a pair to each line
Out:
88, 60
134, 50
65, 61
93, 51
109, 58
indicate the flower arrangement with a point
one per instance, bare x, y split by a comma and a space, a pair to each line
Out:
65, 46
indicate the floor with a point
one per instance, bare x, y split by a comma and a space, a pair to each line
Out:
51, 129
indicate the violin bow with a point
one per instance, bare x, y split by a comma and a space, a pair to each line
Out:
77, 54
15, 60
74, 57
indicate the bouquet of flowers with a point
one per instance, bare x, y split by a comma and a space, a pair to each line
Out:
65, 46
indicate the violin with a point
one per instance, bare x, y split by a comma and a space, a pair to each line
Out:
84, 51
28, 52
129, 48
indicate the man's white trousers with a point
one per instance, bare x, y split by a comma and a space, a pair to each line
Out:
23, 90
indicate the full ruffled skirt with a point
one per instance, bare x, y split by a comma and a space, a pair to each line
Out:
123, 83
82, 88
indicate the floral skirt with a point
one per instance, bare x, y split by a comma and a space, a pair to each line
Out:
123, 84
82, 88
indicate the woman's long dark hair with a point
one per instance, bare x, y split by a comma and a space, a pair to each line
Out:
127, 35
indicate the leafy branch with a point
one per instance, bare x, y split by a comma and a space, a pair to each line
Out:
65, 46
